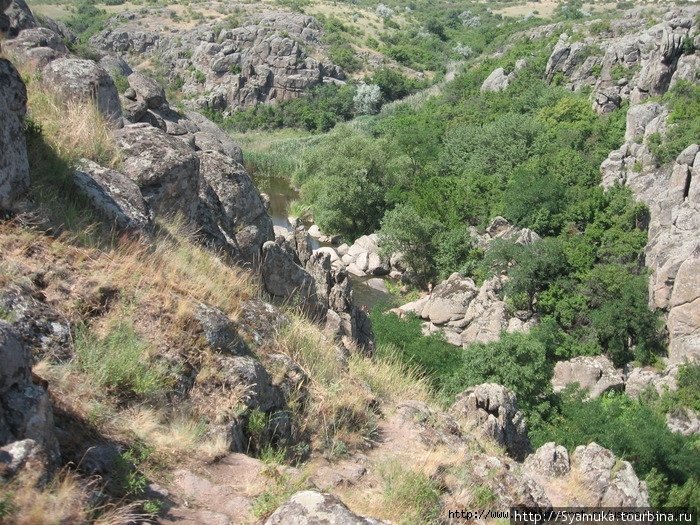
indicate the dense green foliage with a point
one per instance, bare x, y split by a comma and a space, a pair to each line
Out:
426, 174
320, 110
669, 462
684, 119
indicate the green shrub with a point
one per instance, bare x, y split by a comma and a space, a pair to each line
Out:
613, 421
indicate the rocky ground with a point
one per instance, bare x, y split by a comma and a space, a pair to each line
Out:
259, 334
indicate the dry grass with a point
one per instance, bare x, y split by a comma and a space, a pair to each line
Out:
389, 378
339, 413
66, 499
176, 434
73, 129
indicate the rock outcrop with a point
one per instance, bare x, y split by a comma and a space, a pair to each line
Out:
499, 80
115, 196
639, 379
549, 460
272, 57
310, 506
612, 482
672, 193
25, 408
14, 167
466, 314
493, 409
592, 476
323, 292
626, 63
595, 375
82, 80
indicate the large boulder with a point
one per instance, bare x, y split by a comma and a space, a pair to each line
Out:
282, 277
611, 482
115, 196
310, 507
231, 208
83, 80
493, 409
550, 460
14, 167
450, 299
211, 137
147, 89
497, 81
25, 408
17, 17
165, 168
595, 375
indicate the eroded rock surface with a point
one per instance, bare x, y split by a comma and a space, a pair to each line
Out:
14, 167
25, 408
494, 410
672, 193
274, 56
595, 375
626, 63
311, 507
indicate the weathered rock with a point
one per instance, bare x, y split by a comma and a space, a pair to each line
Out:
284, 278
673, 250
147, 89
42, 329
102, 459
485, 318
115, 196
219, 331
23, 456
550, 460
310, 507
18, 16
165, 169
37, 46
596, 375
83, 80
493, 409
211, 137
25, 408
684, 421
649, 58
265, 60
640, 379
449, 300
14, 166
498, 80
231, 210
611, 481
115, 65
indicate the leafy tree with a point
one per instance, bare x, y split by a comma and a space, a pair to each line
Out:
367, 99
404, 230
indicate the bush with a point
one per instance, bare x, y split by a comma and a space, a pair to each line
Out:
613, 421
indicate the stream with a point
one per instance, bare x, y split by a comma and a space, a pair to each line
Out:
281, 194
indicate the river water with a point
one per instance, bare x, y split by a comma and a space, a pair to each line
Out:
281, 194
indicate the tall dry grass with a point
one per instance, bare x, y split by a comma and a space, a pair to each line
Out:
65, 499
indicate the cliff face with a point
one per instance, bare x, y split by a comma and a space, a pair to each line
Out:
271, 58
624, 63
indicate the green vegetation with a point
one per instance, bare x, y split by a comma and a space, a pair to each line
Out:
414, 497
118, 362
684, 119
669, 462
